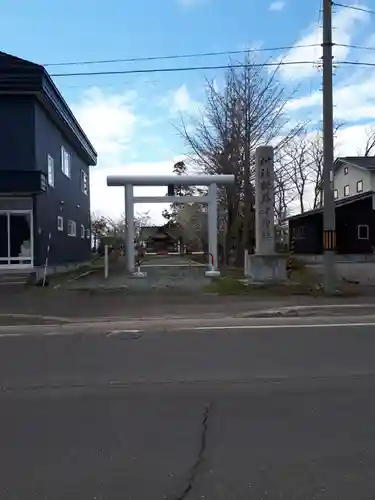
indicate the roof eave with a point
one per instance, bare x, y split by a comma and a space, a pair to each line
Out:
53, 95
25, 77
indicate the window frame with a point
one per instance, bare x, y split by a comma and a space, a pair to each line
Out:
359, 227
84, 182
60, 223
82, 232
360, 190
347, 186
51, 171
71, 224
66, 166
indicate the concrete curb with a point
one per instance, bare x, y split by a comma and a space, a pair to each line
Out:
55, 319
37, 320
313, 310
302, 311
117, 329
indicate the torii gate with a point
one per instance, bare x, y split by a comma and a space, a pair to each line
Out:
129, 181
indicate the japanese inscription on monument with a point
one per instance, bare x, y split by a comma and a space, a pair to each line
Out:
264, 200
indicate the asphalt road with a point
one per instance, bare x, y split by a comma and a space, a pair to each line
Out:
257, 413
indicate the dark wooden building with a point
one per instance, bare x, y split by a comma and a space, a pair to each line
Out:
355, 227
44, 172
159, 239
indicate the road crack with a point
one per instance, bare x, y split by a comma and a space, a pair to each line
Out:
200, 456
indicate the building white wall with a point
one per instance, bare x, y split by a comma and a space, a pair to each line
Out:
353, 175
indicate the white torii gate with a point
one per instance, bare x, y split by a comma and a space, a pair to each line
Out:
129, 181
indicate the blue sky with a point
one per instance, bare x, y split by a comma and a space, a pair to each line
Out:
131, 118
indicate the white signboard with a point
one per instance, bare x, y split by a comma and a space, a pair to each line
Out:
264, 201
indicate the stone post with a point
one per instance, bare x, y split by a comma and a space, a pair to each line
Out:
265, 265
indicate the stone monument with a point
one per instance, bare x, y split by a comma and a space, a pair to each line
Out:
265, 265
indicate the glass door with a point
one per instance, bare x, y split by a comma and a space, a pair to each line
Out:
4, 239
16, 239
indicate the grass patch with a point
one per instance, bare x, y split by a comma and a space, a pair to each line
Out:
96, 265
233, 272
231, 286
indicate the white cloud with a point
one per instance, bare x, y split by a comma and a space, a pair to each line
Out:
277, 6
108, 121
314, 99
180, 101
350, 141
353, 102
110, 201
344, 22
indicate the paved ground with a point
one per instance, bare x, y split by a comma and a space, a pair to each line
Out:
71, 304
173, 272
279, 412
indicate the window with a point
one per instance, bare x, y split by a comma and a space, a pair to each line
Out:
60, 223
82, 231
87, 234
346, 190
51, 171
335, 194
363, 232
359, 186
65, 162
72, 228
84, 182
346, 170
43, 182
298, 233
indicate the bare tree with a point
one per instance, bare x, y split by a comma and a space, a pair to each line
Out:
192, 219
179, 168
284, 196
302, 165
249, 112
369, 146
316, 168
99, 228
296, 167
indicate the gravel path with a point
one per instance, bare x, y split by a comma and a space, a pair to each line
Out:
172, 272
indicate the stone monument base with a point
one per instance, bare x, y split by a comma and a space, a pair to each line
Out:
138, 274
266, 268
212, 273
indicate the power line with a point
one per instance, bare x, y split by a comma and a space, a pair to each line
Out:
359, 47
358, 63
353, 7
198, 68
179, 56
175, 70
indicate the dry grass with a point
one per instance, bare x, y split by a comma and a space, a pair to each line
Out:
230, 286
303, 281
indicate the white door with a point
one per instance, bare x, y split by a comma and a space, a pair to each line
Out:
16, 239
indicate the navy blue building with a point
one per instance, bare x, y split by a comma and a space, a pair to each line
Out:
355, 227
44, 172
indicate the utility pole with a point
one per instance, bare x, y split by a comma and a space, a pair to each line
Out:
329, 223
